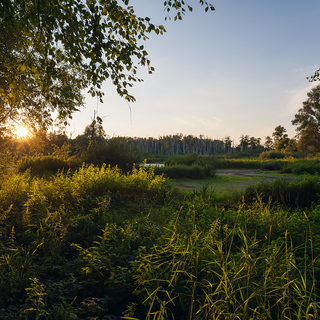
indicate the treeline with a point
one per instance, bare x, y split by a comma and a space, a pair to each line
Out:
178, 144
188, 144
93, 145
54, 150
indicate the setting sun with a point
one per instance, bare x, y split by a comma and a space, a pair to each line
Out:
22, 132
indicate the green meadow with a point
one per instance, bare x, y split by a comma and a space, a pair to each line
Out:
97, 243
219, 184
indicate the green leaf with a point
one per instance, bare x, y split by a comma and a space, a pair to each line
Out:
69, 46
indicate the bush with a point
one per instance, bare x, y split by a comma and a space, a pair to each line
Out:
181, 171
186, 159
113, 152
272, 155
44, 164
237, 164
272, 165
292, 193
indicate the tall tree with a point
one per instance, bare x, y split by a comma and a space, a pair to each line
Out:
280, 138
93, 133
307, 121
279, 134
254, 143
50, 50
244, 142
268, 143
227, 144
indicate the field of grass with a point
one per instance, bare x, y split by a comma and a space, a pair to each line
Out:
96, 243
219, 184
286, 163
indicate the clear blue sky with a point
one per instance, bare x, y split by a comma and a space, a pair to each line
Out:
240, 69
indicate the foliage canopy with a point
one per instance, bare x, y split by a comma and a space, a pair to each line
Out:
307, 121
51, 50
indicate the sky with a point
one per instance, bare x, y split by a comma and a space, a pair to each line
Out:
240, 69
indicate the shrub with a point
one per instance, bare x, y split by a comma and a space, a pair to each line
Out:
272, 155
47, 164
186, 159
293, 193
233, 163
272, 165
113, 152
181, 171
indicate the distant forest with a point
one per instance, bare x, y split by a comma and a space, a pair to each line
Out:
185, 144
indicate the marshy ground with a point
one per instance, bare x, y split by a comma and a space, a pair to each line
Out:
228, 180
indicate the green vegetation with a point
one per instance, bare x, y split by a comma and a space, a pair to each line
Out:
219, 184
96, 243
86, 234
307, 122
268, 161
57, 49
181, 171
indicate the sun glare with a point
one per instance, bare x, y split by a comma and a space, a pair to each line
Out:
22, 132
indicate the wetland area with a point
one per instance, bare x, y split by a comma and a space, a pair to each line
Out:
229, 180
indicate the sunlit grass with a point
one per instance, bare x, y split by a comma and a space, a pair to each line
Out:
97, 243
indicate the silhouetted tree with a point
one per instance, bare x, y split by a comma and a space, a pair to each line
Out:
307, 121
93, 133
254, 143
279, 133
280, 138
244, 142
268, 143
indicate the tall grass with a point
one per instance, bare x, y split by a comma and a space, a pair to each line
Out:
271, 160
225, 274
101, 244
300, 192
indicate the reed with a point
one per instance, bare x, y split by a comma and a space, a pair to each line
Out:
226, 274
